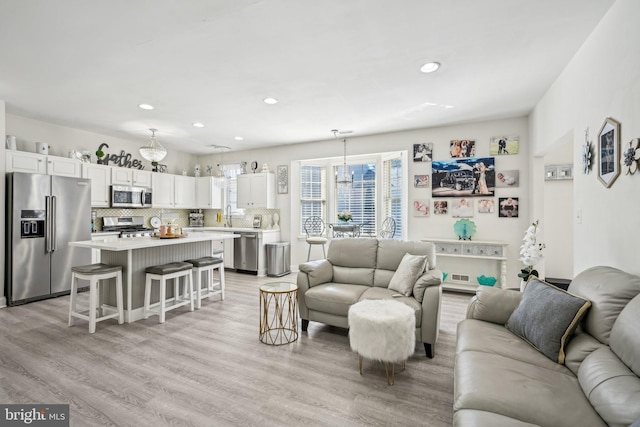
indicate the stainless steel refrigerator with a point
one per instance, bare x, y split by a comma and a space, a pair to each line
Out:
44, 213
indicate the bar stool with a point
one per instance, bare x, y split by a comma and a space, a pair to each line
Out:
162, 273
212, 287
94, 273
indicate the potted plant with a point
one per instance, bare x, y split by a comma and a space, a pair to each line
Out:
99, 155
530, 253
345, 216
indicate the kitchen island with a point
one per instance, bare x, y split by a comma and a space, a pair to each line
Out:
138, 253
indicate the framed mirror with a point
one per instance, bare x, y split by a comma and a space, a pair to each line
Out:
609, 152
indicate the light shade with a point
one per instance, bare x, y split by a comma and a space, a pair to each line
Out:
153, 151
344, 181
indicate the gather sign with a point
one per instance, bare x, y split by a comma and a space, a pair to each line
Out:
124, 160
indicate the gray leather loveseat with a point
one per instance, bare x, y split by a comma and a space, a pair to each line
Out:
501, 380
359, 269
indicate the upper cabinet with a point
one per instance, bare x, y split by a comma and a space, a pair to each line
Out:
257, 190
130, 177
173, 191
23, 161
209, 192
100, 177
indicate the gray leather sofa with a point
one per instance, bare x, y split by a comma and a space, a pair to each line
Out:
501, 380
359, 269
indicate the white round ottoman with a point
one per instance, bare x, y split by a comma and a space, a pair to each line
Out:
383, 330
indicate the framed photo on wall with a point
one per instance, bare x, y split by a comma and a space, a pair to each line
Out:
423, 152
508, 207
504, 145
461, 148
421, 207
609, 152
421, 181
462, 208
463, 177
440, 207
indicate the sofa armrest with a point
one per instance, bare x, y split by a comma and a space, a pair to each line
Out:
428, 278
317, 272
493, 305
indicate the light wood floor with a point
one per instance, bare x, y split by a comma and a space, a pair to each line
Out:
208, 368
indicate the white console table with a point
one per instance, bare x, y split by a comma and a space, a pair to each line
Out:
472, 249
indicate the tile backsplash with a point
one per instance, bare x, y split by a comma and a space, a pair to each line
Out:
182, 216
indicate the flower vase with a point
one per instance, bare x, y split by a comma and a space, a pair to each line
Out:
523, 284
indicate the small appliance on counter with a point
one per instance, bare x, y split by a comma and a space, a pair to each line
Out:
128, 226
196, 218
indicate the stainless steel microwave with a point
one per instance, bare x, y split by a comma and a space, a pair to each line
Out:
130, 197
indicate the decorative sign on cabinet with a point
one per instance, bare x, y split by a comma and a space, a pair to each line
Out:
461, 250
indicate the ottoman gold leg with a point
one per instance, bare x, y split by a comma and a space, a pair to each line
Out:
391, 380
360, 364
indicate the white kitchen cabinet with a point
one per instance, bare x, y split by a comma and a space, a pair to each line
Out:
131, 177
257, 190
22, 161
64, 166
163, 186
100, 177
228, 253
184, 192
209, 194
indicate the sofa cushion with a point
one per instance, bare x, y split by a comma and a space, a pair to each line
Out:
612, 388
411, 267
581, 345
609, 291
391, 252
471, 417
546, 317
333, 298
516, 389
428, 278
625, 336
356, 276
354, 253
477, 335
384, 293
493, 304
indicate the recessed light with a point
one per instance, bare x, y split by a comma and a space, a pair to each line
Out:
449, 106
238, 138
430, 67
145, 106
270, 101
198, 125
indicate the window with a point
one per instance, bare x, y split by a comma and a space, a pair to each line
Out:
231, 171
392, 190
312, 193
361, 200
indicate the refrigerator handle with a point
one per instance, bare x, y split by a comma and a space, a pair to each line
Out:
53, 223
47, 234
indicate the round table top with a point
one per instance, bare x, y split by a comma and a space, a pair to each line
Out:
278, 287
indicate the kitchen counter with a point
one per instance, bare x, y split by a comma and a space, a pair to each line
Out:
148, 242
233, 229
137, 253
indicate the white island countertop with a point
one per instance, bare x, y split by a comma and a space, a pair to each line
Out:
231, 229
149, 242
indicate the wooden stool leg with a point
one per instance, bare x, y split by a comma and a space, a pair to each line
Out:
221, 269
199, 288
119, 298
93, 286
163, 298
73, 299
147, 297
360, 364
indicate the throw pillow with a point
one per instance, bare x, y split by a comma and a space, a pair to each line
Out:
410, 268
546, 317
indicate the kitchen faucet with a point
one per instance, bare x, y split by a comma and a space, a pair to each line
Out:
228, 216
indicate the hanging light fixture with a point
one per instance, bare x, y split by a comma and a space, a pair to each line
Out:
153, 151
224, 181
344, 181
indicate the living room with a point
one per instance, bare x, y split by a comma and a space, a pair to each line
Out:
600, 81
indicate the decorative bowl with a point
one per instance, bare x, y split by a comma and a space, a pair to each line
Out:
487, 281
444, 276
464, 229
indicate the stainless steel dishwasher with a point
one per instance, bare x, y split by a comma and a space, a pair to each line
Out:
245, 253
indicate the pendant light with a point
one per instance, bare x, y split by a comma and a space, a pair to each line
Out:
153, 151
344, 181
223, 182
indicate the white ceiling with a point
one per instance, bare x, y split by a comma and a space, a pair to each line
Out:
343, 64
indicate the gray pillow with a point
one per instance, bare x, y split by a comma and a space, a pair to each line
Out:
546, 317
410, 268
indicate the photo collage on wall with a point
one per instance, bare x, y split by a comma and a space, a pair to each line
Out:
463, 184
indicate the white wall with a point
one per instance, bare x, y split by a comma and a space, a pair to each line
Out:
602, 80
2, 211
490, 227
62, 139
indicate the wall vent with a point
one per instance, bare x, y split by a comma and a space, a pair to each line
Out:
460, 278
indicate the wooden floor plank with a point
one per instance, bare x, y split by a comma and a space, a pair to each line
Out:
208, 367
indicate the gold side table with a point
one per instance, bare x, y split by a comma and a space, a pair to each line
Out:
278, 313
